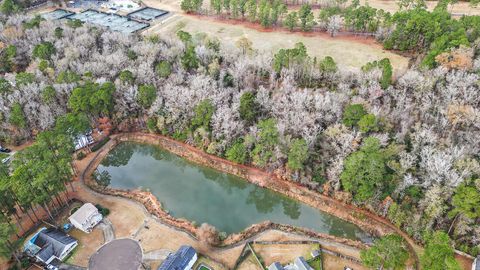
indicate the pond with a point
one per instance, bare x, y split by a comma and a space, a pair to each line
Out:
205, 195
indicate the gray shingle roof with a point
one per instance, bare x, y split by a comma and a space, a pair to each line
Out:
52, 242
179, 260
275, 266
301, 264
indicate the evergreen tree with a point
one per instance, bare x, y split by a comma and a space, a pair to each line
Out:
352, 114
267, 140
43, 50
203, 115
252, 10
146, 95
365, 172
291, 21
297, 154
248, 107
17, 117
438, 253
388, 252
237, 152
9, 7
306, 17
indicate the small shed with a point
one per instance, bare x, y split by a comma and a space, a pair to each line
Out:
86, 217
316, 253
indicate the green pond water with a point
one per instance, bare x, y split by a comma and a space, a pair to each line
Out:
202, 194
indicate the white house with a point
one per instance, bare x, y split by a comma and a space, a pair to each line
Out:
51, 244
86, 218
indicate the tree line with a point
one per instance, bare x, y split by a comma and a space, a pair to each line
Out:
38, 177
410, 28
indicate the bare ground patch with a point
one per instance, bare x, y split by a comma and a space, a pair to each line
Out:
331, 262
87, 245
283, 253
249, 264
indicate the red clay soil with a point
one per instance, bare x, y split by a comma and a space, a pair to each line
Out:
362, 218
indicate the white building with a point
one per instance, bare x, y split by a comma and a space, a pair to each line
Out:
86, 218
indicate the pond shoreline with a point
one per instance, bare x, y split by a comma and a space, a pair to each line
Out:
367, 221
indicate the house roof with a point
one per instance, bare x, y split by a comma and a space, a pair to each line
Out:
52, 242
179, 260
46, 252
315, 253
275, 266
301, 264
84, 213
83, 140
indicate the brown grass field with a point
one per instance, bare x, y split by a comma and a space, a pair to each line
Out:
349, 52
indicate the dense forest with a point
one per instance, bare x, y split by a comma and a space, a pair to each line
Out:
360, 137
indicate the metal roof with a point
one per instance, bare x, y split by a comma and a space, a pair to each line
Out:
113, 21
57, 14
147, 14
179, 260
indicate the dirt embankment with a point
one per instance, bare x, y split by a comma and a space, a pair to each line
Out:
366, 220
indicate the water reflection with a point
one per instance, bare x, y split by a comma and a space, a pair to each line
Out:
205, 195
119, 156
291, 208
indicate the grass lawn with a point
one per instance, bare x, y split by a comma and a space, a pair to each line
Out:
316, 264
3, 155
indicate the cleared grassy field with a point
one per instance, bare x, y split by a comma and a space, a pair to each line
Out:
456, 10
350, 53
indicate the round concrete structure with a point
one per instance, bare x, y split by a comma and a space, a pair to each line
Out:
119, 254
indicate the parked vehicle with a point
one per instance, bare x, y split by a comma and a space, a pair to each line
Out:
5, 150
52, 267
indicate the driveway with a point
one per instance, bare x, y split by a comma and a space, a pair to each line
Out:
107, 228
156, 255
